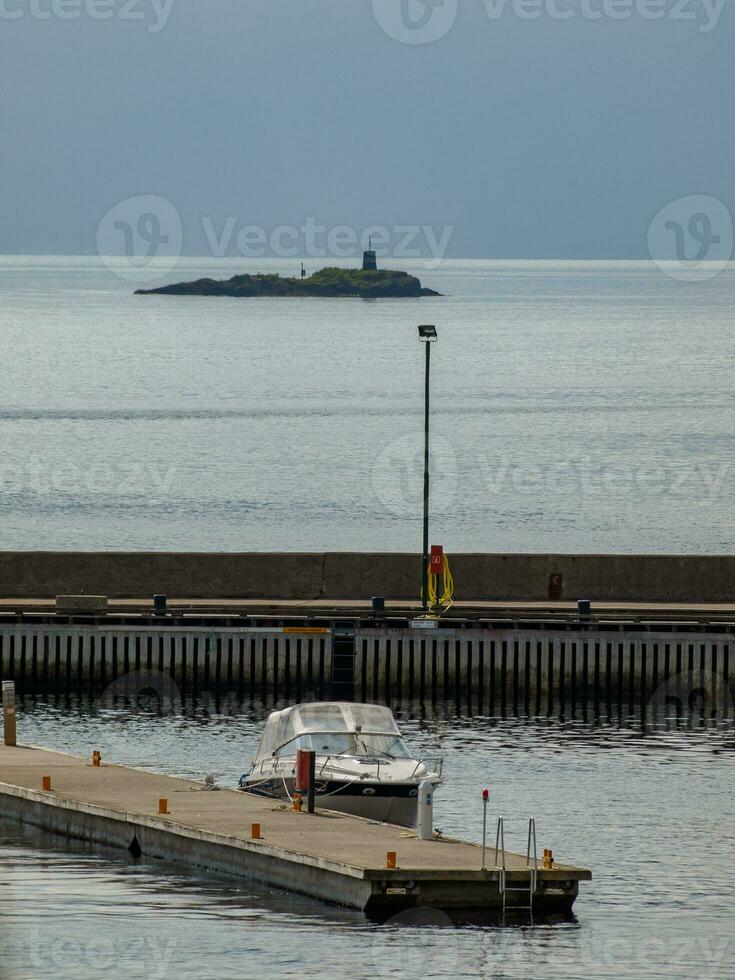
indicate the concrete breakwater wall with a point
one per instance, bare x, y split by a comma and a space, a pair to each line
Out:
345, 575
494, 669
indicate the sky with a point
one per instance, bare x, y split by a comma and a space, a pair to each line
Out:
510, 128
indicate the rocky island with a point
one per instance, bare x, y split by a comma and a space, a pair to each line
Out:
367, 283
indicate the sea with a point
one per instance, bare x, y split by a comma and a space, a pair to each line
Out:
575, 407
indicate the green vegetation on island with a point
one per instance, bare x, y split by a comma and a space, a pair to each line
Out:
364, 283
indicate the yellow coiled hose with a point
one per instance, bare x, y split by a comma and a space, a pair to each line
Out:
447, 597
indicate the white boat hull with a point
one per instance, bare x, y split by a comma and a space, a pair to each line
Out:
384, 803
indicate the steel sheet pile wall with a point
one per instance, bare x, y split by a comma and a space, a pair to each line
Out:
510, 668
99, 656
515, 668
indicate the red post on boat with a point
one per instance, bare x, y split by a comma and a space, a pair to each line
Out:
305, 775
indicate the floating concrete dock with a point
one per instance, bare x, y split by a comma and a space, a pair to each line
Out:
329, 856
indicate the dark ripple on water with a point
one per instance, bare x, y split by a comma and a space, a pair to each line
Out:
479, 405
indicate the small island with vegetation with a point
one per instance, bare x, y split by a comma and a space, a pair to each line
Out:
366, 283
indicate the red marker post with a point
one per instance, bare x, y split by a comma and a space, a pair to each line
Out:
306, 775
485, 801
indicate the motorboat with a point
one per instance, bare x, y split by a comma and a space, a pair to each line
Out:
363, 765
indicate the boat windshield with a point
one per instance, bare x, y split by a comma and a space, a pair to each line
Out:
349, 743
391, 746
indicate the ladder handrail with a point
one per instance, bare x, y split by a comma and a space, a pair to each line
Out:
531, 852
534, 870
500, 846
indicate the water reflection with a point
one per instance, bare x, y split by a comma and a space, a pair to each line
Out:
671, 723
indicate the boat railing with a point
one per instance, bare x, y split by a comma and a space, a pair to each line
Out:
432, 763
274, 766
286, 765
330, 762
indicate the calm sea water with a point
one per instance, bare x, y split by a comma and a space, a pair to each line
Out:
576, 407
650, 807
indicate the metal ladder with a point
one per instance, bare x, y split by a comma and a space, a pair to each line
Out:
525, 889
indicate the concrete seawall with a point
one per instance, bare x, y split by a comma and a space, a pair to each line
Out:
353, 575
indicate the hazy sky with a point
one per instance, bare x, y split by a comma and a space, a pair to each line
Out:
532, 128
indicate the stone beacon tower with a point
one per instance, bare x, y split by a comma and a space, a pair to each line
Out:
369, 259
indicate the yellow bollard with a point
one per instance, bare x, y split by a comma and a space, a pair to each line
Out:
297, 804
163, 806
390, 860
46, 784
9, 712
96, 759
255, 831
548, 862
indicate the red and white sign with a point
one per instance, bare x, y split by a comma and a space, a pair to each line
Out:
436, 561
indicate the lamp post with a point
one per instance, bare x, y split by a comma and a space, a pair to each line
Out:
427, 335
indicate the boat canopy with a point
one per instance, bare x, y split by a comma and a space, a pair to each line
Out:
324, 716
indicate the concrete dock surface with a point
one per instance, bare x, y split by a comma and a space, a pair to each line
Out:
319, 611
462, 606
328, 855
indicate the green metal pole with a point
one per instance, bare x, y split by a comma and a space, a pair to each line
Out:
425, 554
